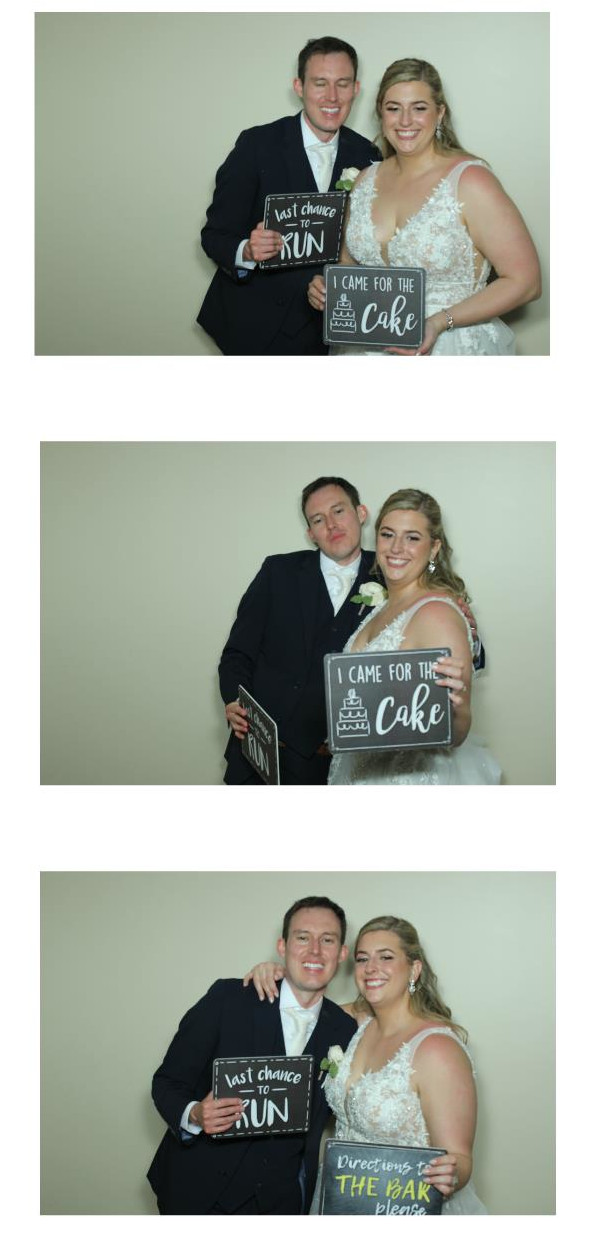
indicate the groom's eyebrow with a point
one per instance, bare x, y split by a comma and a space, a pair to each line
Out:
306, 933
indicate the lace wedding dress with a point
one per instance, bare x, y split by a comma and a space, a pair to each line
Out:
436, 240
470, 764
382, 1108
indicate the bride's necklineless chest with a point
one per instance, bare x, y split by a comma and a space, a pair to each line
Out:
382, 622
394, 203
373, 1056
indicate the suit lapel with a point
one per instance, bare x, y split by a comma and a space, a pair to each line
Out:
317, 1042
267, 1030
343, 159
349, 613
312, 601
298, 166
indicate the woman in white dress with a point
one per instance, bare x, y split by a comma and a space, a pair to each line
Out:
406, 1078
422, 609
431, 205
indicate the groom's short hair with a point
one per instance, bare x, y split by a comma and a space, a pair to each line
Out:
349, 489
325, 46
314, 901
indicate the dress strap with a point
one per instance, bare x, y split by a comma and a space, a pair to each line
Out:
455, 174
410, 612
420, 1037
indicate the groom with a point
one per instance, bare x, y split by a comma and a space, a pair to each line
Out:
250, 311
297, 609
195, 1170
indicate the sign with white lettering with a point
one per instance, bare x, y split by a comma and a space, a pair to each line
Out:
260, 745
275, 1091
386, 699
310, 226
374, 307
378, 1180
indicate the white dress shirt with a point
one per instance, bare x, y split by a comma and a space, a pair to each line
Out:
287, 999
310, 141
339, 578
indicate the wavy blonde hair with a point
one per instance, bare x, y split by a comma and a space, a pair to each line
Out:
426, 1002
413, 70
444, 577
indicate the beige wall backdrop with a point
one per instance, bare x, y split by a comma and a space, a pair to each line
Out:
136, 111
124, 955
148, 547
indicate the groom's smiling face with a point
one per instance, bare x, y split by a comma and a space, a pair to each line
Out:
334, 524
313, 949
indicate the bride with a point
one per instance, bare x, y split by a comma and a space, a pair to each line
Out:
431, 205
422, 609
406, 1078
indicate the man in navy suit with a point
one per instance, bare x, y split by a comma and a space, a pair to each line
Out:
297, 609
196, 1171
250, 311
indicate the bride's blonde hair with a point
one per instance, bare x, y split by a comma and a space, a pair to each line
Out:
413, 70
443, 577
426, 1002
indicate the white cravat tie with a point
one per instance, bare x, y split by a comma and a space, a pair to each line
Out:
299, 1023
325, 154
340, 583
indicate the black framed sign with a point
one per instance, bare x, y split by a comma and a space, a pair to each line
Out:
260, 746
310, 226
386, 699
275, 1090
378, 1180
374, 307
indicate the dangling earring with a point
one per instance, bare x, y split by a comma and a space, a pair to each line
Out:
411, 985
431, 567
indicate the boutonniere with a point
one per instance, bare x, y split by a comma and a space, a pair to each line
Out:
371, 595
331, 1064
347, 178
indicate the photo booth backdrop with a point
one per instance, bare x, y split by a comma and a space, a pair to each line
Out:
147, 549
124, 955
136, 112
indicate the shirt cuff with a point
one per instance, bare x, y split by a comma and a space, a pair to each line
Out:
187, 1125
240, 263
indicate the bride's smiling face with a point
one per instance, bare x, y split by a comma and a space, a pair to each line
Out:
409, 116
404, 547
381, 968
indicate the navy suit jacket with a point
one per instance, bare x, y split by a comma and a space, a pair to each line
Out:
190, 1175
284, 627
245, 309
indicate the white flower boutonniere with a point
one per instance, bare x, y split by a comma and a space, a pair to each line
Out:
371, 595
347, 178
331, 1064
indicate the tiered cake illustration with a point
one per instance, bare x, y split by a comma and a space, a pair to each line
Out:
353, 721
343, 319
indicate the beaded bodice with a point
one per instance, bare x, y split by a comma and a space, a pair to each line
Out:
381, 1106
435, 238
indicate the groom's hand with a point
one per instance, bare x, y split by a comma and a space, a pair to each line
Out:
216, 1115
238, 718
262, 244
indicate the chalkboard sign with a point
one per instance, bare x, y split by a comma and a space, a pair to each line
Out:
275, 1091
386, 699
374, 307
377, 1180
260, 744
310, 225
